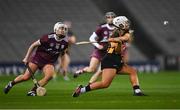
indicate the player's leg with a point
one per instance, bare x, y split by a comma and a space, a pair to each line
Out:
65, 60
48, 71
58, 67
21, 78
96, 75
126, 69
132, 72
107, 77
94, 62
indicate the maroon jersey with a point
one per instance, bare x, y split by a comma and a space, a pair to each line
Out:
103, 32
49, 50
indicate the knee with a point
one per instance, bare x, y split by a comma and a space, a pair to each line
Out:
133, 71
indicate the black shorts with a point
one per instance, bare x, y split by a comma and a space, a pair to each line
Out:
111, 61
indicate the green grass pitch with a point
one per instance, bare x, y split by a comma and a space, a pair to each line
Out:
163, 89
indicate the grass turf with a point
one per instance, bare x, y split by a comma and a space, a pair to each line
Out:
163, 89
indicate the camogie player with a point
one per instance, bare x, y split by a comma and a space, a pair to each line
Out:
101, 34
48, 48
125, 58
112, 62
126, 70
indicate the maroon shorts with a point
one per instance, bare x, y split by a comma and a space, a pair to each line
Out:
99, 54
40, 62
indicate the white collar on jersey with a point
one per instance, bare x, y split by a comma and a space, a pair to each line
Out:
110, 27
57, 38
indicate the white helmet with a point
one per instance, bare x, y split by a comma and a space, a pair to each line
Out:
58, 25
121, 22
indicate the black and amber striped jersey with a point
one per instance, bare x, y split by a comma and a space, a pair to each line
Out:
115, 47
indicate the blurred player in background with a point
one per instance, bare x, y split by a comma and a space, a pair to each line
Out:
101, 34
113, 62
48, 48
64, 60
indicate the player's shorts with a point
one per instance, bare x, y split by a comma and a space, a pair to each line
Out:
112, 61
98, 54
40, 62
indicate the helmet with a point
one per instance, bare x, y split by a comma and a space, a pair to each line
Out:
110, 14
121, 22
58, 25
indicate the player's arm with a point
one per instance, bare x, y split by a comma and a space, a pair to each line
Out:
63, 52
126, 37
72, 39
30, 50
93, 38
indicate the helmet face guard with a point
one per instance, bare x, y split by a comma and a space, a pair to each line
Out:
121, 22
60, 28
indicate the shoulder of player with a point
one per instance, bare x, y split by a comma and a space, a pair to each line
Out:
107, 27
66, 39
48, 36
103, 25
51, 35
123, 32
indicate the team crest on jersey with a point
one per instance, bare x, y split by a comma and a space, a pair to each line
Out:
105, 32
62, 46
57, 46
51, 44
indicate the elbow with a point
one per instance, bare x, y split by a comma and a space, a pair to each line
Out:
90, 39
93, 37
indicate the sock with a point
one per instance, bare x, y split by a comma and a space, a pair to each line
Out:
13, 83
88, 88
85, 89
136, 89
81, 71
